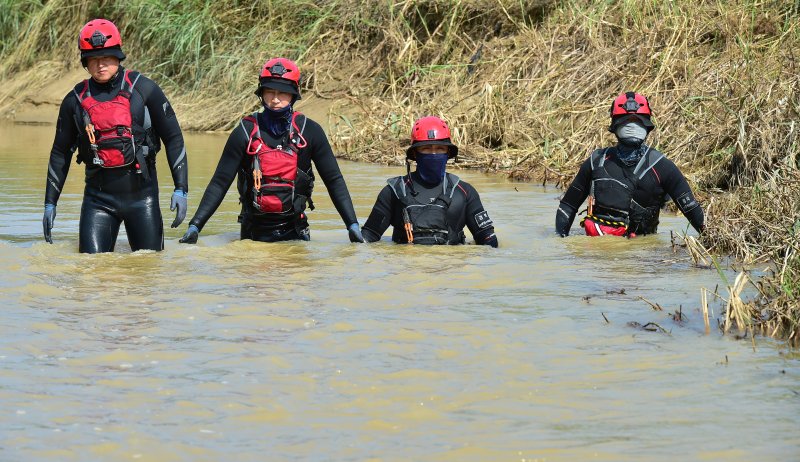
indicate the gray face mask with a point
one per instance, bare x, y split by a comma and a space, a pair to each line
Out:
631, 133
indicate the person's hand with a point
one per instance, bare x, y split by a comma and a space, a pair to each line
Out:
47, 221
179, 201
191, 235
355, 233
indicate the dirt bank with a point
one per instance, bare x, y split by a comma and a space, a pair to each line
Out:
36, 101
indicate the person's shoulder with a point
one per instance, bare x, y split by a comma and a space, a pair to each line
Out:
138, 78
306, 123
250, 118
142, 84
601, 151
660, 157
246, 126
396, 185
79, 86
78, 89
461, 186
71, 98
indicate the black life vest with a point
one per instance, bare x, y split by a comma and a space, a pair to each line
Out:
612, 190
278, 187
109, 138
428, 222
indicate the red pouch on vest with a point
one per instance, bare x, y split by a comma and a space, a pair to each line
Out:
594, 228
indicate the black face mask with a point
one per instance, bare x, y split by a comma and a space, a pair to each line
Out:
277, 121
431, 167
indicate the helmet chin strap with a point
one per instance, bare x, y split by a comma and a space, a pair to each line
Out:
410, 181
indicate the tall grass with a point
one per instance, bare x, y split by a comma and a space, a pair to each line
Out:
526, 84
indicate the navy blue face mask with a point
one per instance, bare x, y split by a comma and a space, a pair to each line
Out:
431, 167
277, 122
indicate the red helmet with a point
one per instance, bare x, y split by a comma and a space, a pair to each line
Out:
100, 37
630, 105
280, 74
428, 131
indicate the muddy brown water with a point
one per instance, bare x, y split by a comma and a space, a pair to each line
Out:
235, 350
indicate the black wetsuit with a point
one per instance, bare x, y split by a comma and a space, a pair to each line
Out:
650, 188
266, 227
117, 195
464, 209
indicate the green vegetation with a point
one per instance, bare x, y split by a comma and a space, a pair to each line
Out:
525, 83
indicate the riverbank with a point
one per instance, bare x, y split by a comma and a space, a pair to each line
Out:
525, 84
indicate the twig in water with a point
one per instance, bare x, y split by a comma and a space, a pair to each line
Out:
652, 327
677, 316
704, 301
655, 306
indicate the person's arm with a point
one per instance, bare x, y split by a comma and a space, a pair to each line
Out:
577, 192
228, 166
381, 216
675, 184
477, 219
322, 155
64, 145
165, 124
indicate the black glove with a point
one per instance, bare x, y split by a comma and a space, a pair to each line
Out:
355, 233
191, 235
47, 221
179, 201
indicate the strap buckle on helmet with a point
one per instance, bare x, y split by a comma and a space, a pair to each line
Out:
97, 40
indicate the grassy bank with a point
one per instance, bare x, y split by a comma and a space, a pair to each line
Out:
526, 84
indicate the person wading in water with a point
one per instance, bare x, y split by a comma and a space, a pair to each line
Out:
117, 119
627, 184
429, 205
272, 151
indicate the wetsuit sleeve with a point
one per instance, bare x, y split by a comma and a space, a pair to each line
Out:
381, 216
166, 126
577, 192
477, 219
328, 169
226, 171
675, 184
64, 145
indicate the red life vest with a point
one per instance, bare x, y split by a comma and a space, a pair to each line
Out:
108, 125
598, 227
275, 172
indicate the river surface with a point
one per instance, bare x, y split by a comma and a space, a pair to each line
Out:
326, 350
